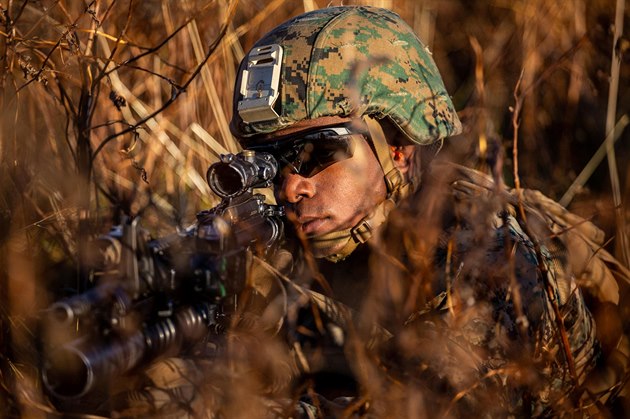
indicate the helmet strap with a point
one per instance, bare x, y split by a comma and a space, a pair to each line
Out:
397, 186
321, 246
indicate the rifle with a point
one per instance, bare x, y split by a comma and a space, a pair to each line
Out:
154, 298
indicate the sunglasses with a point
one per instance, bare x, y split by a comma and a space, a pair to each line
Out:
309, 153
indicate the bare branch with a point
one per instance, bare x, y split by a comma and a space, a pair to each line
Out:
69, 29
176, 92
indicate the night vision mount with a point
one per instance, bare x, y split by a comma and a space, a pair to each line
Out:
260, 84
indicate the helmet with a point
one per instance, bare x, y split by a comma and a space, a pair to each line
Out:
351, 62
342, 61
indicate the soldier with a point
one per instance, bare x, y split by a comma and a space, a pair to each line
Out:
413, 288
470, 311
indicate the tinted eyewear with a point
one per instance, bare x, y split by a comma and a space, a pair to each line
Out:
310, 153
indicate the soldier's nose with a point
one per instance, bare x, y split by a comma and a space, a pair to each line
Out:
295, 187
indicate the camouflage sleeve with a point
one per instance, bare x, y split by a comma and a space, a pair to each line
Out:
492, 340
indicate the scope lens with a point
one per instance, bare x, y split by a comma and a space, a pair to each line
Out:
66, 374
62, 313
225, 180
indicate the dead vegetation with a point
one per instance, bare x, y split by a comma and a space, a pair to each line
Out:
118, 107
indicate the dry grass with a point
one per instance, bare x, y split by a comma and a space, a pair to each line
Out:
118, 107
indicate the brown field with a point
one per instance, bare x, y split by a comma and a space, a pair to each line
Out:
118, 107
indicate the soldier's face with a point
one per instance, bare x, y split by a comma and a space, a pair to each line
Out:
338, 196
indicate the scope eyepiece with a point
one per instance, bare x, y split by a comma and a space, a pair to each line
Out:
237, 173
68, 374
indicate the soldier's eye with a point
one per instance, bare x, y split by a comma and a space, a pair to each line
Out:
309, 153
311, 157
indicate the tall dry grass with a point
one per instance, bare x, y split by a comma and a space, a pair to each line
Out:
118, 107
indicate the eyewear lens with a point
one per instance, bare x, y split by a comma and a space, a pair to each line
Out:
309, 154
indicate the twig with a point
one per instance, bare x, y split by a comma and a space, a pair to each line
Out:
103, 71
481, 92
611, 116
211, 91
565, 56
511, 247
516, 112
110, 123
150, 50
141, 109
170, 81
175, 94
45, 15
70, 28
592, 164
551, 295
519, 98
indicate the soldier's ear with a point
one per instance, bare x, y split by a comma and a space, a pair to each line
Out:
403, 156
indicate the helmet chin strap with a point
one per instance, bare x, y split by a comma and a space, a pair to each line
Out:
337, 245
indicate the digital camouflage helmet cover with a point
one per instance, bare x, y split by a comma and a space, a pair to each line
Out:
342, 61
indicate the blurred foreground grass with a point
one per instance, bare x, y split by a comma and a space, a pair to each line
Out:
107, 110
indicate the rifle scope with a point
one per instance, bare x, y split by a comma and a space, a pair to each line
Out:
238, 173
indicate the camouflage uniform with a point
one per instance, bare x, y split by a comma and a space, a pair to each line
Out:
465, 312
483, 287
490, 340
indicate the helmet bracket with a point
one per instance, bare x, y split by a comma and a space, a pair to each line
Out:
260, 84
